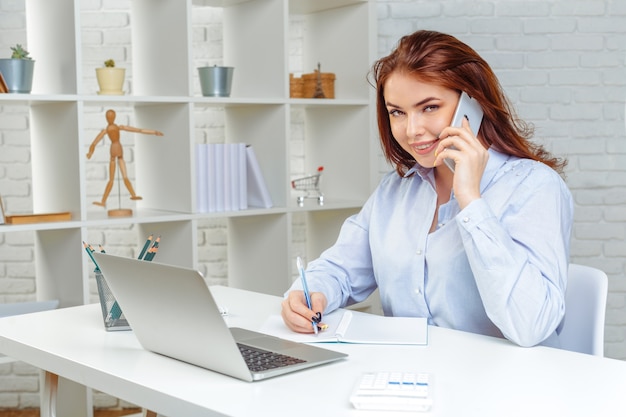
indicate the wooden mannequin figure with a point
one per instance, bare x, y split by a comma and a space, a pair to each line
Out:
117, 154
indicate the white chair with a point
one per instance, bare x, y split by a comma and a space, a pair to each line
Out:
582, 329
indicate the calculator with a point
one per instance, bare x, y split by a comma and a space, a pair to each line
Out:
393, 391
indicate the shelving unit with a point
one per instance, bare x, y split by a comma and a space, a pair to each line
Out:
339, 133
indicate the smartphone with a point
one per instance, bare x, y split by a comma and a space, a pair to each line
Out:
467, 107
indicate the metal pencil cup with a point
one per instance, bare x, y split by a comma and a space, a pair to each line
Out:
112, 314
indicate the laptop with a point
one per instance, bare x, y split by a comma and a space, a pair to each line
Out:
172, 312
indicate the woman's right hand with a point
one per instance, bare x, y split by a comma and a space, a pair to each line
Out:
297, 315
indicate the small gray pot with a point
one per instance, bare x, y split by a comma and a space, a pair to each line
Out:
216, 81
18, 74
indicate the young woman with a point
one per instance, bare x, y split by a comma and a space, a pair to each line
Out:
483, 249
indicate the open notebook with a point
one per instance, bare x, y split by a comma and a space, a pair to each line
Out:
347, 326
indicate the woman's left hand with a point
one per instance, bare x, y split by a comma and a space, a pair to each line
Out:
470, 157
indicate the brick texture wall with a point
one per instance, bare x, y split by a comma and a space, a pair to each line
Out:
562, 64
560, 61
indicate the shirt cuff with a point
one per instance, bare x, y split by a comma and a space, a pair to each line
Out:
473, 214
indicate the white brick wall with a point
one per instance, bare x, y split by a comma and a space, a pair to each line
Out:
560, 61
562, 64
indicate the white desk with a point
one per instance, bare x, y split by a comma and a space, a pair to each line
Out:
472, 375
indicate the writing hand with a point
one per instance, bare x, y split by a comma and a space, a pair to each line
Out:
297, 315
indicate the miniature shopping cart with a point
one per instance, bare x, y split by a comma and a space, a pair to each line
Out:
311, 187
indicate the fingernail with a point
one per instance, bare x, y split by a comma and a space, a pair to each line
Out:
319, 316
315, 319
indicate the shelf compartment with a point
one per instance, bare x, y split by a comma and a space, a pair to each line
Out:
178, 244
161, 48
338, 138
248, 26
52, 43
58, 259
334, 38
165, 174
263, 127
323, 229
258, 251
55, 158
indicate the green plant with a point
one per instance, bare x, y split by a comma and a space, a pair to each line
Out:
19, 52
109, 63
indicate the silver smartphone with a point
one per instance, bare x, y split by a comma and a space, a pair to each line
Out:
467, 107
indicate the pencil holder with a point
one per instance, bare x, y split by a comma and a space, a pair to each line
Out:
112, 314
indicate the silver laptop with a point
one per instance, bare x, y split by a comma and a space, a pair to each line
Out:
172, 312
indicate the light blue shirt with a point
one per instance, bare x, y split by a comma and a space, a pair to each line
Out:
497, 267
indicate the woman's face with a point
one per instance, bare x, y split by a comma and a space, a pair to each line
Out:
418, 112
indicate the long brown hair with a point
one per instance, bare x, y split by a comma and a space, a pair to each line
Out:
443, 60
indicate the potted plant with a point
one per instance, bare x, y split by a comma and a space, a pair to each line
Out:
110, 78
17, 71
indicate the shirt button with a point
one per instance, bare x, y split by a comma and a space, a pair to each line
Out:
466, 219
419, 252
418, 291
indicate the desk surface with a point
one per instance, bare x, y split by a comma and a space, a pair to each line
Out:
472, 374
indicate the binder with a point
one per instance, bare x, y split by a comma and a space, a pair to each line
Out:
258, 194
201, 178
229, 178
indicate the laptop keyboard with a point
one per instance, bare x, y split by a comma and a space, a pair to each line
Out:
259, 360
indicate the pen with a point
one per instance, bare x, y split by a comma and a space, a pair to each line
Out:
306, 289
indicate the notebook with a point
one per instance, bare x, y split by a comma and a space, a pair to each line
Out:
168, 307
347, 326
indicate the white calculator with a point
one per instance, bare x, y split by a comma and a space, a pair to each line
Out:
393, 391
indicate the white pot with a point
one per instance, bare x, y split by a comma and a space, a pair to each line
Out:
110, 80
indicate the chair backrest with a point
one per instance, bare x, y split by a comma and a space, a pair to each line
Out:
582, 329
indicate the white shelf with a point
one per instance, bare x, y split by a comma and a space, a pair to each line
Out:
338, 133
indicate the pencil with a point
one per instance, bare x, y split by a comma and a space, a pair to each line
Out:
156, 242
153, 249
145, 247
89, 250
151, 253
